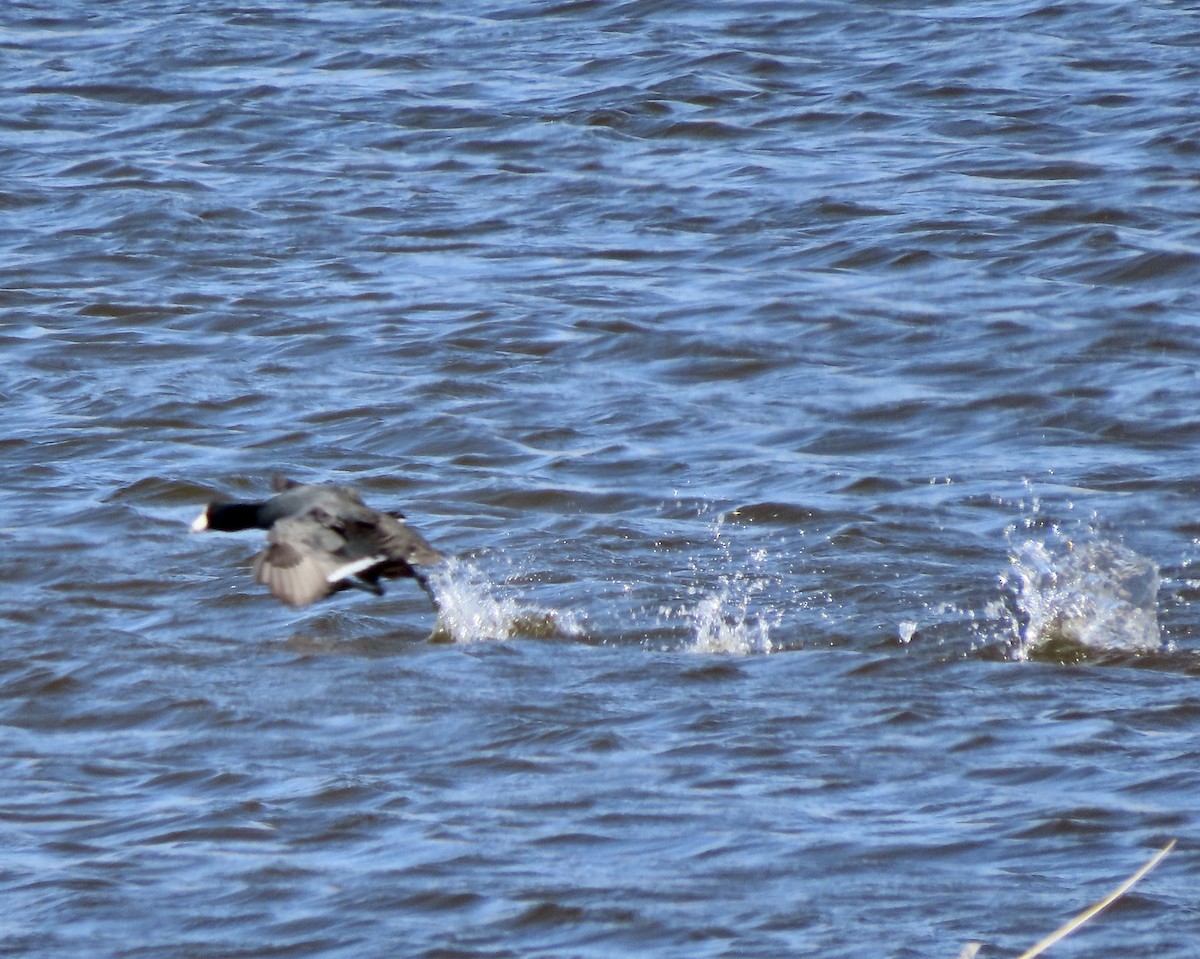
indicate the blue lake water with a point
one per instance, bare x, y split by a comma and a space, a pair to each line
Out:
806, 391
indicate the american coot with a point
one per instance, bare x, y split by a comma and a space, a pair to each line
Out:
322, 539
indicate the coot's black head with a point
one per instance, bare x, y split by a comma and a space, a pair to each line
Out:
229, 518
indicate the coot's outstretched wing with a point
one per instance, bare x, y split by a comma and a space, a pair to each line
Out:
302, 561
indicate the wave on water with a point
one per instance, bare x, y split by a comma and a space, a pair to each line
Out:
473, 607
1065, 595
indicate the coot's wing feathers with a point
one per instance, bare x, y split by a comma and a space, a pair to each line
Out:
354, 525
302, 555
369, 532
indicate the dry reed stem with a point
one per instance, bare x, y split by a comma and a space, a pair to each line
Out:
1063, 931
1090, 912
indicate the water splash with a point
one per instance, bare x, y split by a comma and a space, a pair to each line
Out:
472, 607
725, 621
735, 615
1066, 594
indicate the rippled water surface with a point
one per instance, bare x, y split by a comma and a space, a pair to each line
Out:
807, 392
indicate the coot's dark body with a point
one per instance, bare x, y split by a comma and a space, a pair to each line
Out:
322, 539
